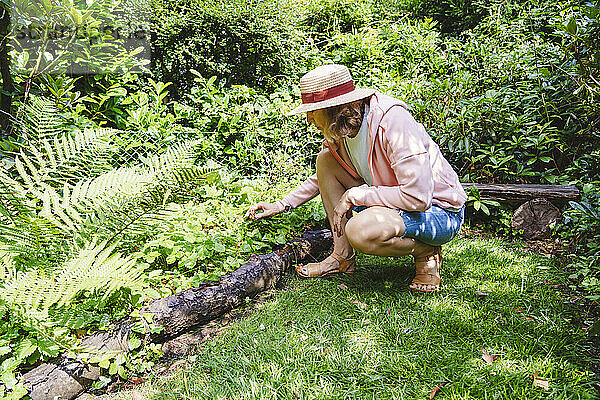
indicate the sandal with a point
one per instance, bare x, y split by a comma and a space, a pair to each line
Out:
315, 270
427, 277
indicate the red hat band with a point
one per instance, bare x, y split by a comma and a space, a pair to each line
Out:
327, 94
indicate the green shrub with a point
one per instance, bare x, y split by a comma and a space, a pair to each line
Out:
324, 18
246, 42
247, 131
453, 16
580, 228
506, 102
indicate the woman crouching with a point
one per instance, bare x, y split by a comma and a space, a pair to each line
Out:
379, 161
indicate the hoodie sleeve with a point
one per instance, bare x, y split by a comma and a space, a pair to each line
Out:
405, 143
303, 193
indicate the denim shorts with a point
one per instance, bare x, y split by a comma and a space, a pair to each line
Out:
435, 226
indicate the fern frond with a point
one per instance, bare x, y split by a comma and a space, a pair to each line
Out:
107, 202
96, 269
41, 120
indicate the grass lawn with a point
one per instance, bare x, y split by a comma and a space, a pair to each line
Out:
365, 336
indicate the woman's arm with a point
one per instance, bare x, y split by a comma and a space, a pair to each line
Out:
303, 193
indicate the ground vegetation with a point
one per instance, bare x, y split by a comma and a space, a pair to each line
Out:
124, 179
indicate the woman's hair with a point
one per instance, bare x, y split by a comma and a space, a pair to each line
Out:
345, 119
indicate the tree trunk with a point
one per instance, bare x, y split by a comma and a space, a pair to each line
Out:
7, 81
177, 314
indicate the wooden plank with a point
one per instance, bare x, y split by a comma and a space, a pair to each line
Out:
520, 193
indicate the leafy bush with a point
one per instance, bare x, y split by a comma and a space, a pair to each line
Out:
245, 43
247, 131
209, 236
500, 102
453, 16
581, 229
325, 18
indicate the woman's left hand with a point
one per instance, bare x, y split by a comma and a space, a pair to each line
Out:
343, 207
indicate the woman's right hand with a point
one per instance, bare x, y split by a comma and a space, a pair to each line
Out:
268, 210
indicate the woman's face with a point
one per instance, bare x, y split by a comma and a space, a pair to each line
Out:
318, 118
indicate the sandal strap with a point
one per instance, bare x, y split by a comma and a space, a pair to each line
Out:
314, 270
341, 259
427, 269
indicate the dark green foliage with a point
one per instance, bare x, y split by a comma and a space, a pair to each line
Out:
506, 102
453, 16
581, 228
246, 130
242, 42
325, 18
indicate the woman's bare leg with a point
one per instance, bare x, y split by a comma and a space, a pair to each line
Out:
379, 230
333, 183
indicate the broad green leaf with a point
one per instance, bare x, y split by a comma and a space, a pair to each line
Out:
485, 209
572, 26
9, 365
48, 347
75, 16
220, 247
112, 369
9, 379
25, 348
134, 342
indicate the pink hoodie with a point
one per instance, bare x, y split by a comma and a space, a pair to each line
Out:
409, 172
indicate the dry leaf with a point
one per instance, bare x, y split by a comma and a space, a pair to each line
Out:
177, 364
359, 304
437, 389
487, 357
540, 382
342, 286
481, 294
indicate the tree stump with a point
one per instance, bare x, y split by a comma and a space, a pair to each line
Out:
535, 218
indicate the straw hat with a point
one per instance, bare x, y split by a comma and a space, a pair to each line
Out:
327, 86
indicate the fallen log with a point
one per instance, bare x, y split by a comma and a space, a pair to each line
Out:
66, 377
520, 193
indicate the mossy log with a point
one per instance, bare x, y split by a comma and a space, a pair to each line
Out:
66, 377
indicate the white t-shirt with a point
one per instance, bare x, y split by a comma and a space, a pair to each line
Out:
358, 150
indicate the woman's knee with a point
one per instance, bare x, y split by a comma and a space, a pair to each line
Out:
362, 234
372, 228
